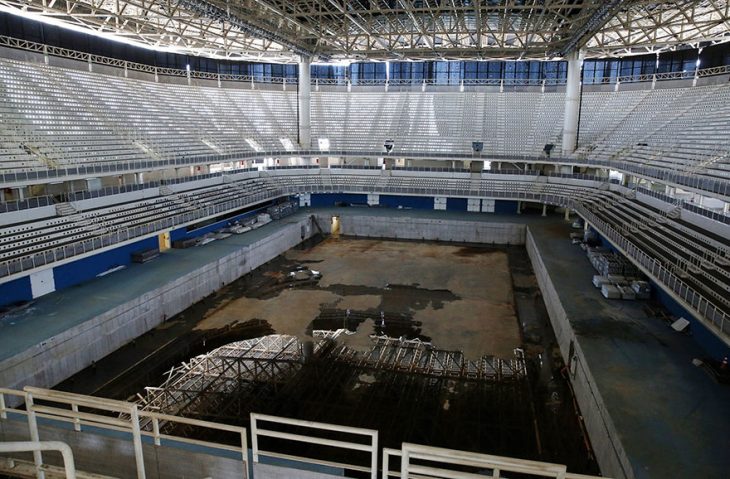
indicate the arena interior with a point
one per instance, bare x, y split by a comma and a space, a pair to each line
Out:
365, 239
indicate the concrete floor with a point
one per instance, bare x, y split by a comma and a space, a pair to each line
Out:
443, 287
672, 418
59, 311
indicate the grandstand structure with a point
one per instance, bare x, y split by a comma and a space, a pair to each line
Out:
109, 149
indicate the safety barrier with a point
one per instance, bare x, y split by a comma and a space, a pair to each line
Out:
712, 315
436, 462
371, 447
69, 467
672, 176
87, 411
121, 416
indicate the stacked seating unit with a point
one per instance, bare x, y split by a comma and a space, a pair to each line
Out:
438, 122
674, 129
53, 118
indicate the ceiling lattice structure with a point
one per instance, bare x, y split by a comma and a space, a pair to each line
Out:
281, 30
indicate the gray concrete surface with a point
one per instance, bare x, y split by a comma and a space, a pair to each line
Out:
649, 411
64, 332
267, 471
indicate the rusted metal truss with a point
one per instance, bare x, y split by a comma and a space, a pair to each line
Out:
283, 30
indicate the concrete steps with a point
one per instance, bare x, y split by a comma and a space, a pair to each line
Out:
65, 209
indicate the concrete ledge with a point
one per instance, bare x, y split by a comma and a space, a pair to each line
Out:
430, 229
610, 454
58, 357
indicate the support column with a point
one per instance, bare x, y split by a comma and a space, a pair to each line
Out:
567, 214
304, 93
572, 104
544, 209
519, 207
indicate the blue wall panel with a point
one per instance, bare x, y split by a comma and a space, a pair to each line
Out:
706, 339
414, 202
505, 207
456, 204
15, 291
331, 199
178, 234
71, 274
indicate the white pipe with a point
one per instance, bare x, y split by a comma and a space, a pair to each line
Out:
37, 446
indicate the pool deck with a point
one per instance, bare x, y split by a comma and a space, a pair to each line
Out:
673, 420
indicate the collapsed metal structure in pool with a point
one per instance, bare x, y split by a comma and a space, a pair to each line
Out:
211, 384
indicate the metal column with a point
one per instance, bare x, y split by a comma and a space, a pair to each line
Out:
572, 104
304, 92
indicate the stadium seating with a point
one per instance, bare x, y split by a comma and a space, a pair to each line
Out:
682, 248
443, 122
685, 129
52, 118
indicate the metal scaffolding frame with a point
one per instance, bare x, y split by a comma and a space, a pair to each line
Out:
271, 374
282, 30
209, 382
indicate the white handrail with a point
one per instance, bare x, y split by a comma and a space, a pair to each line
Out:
371, 448
37, 446
497, 464
126, 419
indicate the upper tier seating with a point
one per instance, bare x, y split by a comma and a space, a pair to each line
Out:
442, 122
52, 118
684, 129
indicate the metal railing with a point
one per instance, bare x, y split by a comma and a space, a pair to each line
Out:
526, 191
672, 176
714, 317
713, 215
424, 462
83, 411
178, 72
26, 204
95, 415
371, 447
69, 467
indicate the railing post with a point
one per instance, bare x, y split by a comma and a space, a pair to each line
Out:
374, 457
34, 436
3, 414
244, 451
254, 440
137, 441
77, 421
404, 463
156, 430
